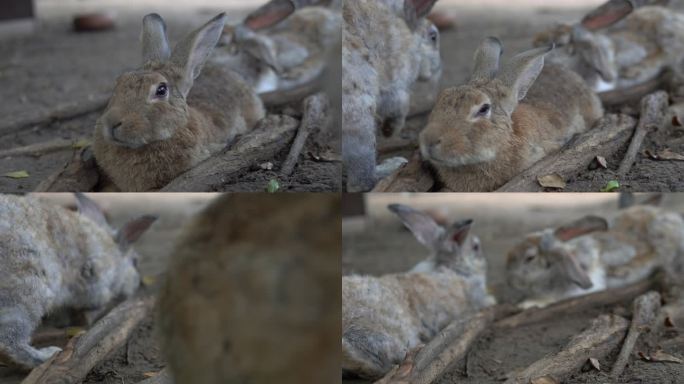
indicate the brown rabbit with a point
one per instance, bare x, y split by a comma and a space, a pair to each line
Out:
481, 134
154, 127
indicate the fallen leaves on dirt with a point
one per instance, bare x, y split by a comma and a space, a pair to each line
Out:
17, 174
660, 357
544, 380
551, 181
595, 363
668, 322
664, 155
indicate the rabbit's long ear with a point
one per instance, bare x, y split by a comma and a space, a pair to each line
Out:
522, 71
486, 59
423, 227
155, 46
90, 209
459, 231
270, 14
132, 230
581, 227
190, 55
415, 10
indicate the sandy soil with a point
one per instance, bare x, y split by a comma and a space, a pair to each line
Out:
378, 244
54, 67
515, 23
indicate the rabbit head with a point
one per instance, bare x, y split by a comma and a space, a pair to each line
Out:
431, 64
149, 104
543, 260
126, 275
452, 247
470, 123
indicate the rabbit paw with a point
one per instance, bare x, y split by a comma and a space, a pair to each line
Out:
388, 166
48, 352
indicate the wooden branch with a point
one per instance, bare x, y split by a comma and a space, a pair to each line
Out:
412, 177
86, 350
607, 136
314, 118
61, 112
578, 304
79, 175
653, 108
645, 311
273, 135
601, 338
614, 11
634, 93
163, 377
449, 346
281, 97
39, 149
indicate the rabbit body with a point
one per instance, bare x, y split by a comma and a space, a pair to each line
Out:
144, 140
640, 240
385, 317
629, 53
478, 136
52, 259
253, 292
381, 56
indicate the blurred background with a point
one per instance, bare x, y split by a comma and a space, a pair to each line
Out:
375, 242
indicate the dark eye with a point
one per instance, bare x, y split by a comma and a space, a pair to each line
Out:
162, 90
529, 259
484, 110
476, 247
433, 34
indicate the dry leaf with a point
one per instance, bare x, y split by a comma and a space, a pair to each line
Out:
602, 161
650, 154
150, 374
266, 166
73, 331
551, 181
669, 322
667, 154
675, 121
17, 175
148, 280
81, 144
644, 357
661, 356
326, 156
595, 363
544, 380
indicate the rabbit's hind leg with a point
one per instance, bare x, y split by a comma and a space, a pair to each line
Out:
368, 354
16, 328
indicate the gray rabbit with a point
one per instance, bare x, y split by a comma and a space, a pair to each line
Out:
52, 258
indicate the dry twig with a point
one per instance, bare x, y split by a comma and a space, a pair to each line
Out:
314, 118
412, 177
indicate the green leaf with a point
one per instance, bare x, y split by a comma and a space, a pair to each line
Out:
611, 186
273, 186
17, 175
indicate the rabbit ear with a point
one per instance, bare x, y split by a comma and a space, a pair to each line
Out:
90, 209
608, 14
423, 227
155, 46
190, 54
132, 230
415, 10
572, 269
521, 72
581, 227
459, 231
486, 59
270, 14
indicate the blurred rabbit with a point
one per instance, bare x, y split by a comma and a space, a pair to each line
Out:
385, 317
482, 134
154, 127
381, 57
253, 292
424, 91
54, 259
590, 255
628, 53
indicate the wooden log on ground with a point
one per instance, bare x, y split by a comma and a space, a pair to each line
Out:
635, 93
412, 177
446, 348
314, 118
79, 175
163, 377
653, 108
86, 350
39, 149
580, 303
644, 314
273, 135
61, 112
608, 136
601, 338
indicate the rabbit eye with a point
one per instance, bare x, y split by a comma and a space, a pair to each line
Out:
484, 110
529, 259
433, 34
162, 90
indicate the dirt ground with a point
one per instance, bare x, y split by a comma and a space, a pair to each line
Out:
141, 354
515, 25
378, 244
55, 67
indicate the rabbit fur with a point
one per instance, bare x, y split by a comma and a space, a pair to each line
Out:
592, 254
381, 55
253, 292
53, 259
165, 118
481, 134
385, 317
